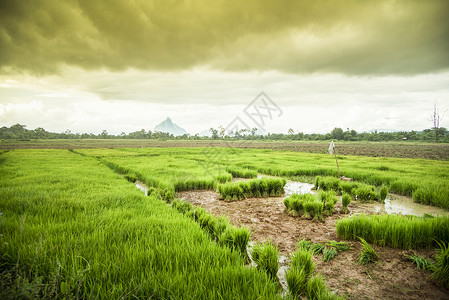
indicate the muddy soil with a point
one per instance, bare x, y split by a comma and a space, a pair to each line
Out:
393, 277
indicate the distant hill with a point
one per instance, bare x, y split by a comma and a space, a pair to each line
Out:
168, 126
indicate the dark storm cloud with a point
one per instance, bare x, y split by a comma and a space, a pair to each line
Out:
350, 37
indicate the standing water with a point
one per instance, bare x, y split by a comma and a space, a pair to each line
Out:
396, 204
141, 186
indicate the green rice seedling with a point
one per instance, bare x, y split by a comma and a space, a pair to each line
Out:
230, 191
296, 202
328, 184
317, 209
131, 177
313, 248
441, 267
383, 193
328, 199
305, 244
329, 253
345, 200
222, 178
208, 223
266, 256
288, 204
368, 254
404, 187
405, 232
296, 282
236, 239
317, 289
183, 207
432, 194
316, 286
84, 206
302, 259
308, 209
263, 187
156, 166
220, 226
317, 182
339, 246
317, 248
365, 193
420, 262
348, 186
197, 213
301, 268
241, 172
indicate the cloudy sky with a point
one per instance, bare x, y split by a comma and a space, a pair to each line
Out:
127, 65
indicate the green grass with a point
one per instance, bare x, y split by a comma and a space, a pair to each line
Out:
405, 232
73, 228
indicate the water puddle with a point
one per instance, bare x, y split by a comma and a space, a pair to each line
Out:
142, 186
295, 187
396, 204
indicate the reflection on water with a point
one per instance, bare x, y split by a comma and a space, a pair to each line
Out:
295, 187
396, 204
141, 186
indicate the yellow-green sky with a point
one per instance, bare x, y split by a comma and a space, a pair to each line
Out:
92, 65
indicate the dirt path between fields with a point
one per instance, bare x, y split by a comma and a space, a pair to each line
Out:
393, 277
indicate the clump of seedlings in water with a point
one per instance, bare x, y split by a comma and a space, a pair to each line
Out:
383, 193
311, 206
359, 191
368, 254
266, 256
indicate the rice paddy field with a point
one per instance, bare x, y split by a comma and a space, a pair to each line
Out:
213, 225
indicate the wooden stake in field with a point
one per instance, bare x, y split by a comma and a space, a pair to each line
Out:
332, 150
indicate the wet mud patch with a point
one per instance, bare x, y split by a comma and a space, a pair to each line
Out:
392, 277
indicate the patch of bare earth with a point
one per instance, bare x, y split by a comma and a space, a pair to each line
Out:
393, 277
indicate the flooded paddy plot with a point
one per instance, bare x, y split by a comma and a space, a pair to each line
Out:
392, 277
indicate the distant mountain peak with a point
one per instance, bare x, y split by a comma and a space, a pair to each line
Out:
168, 126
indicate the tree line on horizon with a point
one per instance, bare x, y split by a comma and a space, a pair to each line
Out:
20, 132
